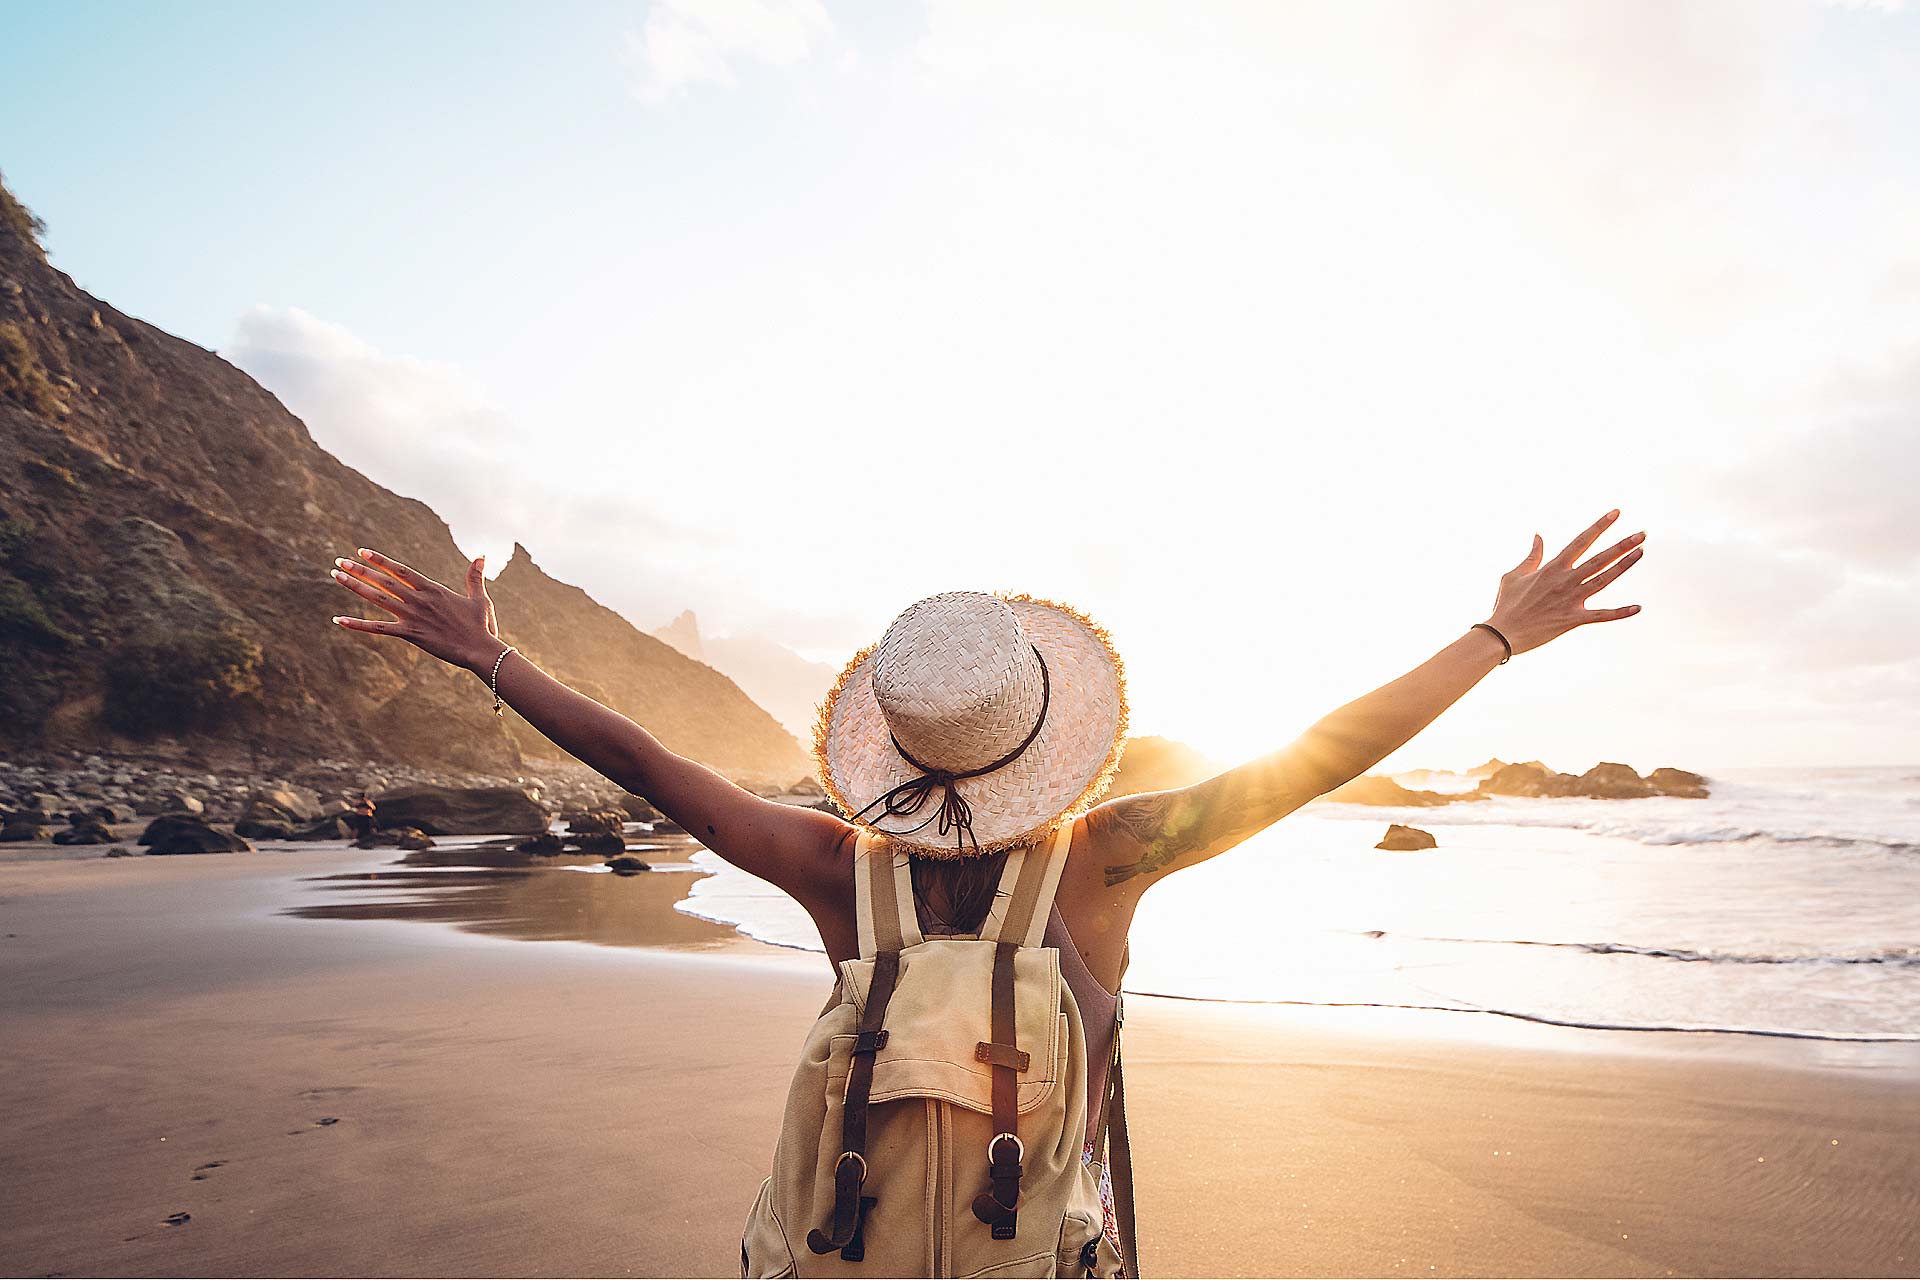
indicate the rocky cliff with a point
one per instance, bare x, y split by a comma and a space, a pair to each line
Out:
166, 528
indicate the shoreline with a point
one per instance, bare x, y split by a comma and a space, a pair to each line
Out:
672, 928
328, 1096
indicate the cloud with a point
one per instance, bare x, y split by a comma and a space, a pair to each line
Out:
694, 42
427, 431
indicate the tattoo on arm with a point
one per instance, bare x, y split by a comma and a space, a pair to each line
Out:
1193, 823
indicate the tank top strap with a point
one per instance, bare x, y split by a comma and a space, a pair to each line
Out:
883, 896
1027, 884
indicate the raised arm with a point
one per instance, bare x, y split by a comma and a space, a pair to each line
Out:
793, 847
1137, 839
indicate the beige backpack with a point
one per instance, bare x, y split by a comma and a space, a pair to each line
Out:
935, 1124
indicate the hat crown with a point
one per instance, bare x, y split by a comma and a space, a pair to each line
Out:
957, 680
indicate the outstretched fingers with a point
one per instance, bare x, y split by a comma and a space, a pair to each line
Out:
372, 592
372, 625
1600, 560
1609, 615
1626, 562
1578, 547
408, 577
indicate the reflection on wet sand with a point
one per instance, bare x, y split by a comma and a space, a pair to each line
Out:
483, 885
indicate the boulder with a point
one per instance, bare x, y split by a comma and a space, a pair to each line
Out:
188, 833
1402, 838
255, 828
627, 865
89, 830
118, 851
1374, 788
331, 827
461, 811
293, 804
597, 842
1678, 782
638, 809
411, 838
807, 786
175, 801
591, 822
1608, 781
114, 812
18, 832
1531, 779
545, 844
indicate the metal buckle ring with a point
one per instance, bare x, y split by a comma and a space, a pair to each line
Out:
1019, 1147
851, 1155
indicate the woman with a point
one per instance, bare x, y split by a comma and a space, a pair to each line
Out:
1115, 850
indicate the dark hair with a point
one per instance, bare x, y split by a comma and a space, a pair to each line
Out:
954, 895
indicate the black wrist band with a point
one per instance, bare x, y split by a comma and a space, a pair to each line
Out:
1504, 642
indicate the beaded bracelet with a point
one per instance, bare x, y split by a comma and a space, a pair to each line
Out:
494, 681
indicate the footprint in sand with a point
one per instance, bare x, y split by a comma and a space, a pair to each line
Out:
200, 1171
323, 1120
175, 1219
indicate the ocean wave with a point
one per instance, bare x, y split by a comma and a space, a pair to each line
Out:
1785, 1033
1663, 827
1903, 957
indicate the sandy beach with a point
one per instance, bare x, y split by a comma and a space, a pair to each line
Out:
195, 1080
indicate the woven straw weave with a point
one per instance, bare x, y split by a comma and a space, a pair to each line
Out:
955, 679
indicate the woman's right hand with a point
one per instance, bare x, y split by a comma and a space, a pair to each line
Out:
453, 627
1539, 602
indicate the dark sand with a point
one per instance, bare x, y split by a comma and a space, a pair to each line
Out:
331, 1095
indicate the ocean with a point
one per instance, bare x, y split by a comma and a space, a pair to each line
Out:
1785, 904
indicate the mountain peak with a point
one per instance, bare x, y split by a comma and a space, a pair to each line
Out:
683, 633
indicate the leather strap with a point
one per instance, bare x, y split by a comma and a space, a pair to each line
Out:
999, 1207
1111, 1138
850, 1170
1120, 1169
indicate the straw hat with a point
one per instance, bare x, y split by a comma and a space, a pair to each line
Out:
977, 723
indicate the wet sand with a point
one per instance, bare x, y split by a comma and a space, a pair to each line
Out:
324, 1087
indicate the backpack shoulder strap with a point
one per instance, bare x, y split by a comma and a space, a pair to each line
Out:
883, 896
1027, 885
1114, 1140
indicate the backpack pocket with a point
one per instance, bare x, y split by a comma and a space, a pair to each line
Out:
941, 1009
764, 1251
1085, 1250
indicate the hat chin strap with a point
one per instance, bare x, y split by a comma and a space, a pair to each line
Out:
954, 813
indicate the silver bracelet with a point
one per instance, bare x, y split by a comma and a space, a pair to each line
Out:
493, 681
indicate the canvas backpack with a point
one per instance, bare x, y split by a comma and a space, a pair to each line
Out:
935, 1124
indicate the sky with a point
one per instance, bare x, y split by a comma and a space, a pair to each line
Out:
1268, 335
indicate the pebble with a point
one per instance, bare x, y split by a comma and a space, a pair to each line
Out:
58, 782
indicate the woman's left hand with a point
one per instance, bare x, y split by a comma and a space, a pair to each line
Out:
1538, 602
453, 627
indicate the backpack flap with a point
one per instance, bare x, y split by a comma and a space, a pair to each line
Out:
941, 1011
